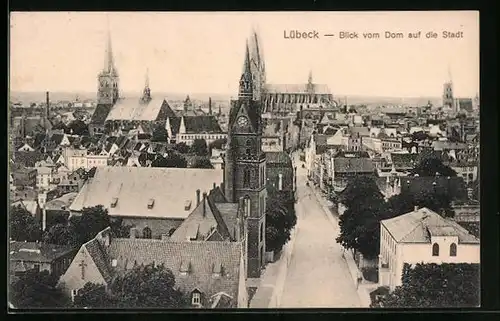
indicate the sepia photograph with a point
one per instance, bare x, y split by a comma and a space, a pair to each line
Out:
243, 160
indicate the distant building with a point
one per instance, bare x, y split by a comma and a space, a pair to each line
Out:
26, 256
24, 177
211, 273
142, 197
422, 236
186, 129
280, 173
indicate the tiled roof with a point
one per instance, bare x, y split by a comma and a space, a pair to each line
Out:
362, 131
200, 257
197, 226
296, 89
28, 159
229, 212
352, 154
36, 252
131, 109
440, 145
404, 159
353, 165
281, 158
29, 205
57, 204
418, 226
100, 258
134, 187
202, 124
455, 186
100, 114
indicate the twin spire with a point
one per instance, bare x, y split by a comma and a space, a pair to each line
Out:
246, 80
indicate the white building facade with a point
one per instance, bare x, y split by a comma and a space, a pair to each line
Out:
422, 236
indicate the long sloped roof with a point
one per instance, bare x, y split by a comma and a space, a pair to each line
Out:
134, 187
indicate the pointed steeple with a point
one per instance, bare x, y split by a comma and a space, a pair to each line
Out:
109, 62
246, 81
449, 74
146, 95
310, 85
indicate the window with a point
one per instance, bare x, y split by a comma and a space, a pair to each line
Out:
146, 233
196, 299
261, 231
36, 267
246, 178
453, 249
435, 249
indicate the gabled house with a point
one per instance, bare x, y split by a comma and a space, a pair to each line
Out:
211, 274
26, 256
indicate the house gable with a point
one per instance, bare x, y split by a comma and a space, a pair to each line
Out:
72, 278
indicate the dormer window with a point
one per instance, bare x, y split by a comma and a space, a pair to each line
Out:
114, 201
151, 203
184, 269
196, 300
187, 205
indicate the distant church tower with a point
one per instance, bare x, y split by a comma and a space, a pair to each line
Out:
108, 87
146, 93
448, 100
245, 165
257, 65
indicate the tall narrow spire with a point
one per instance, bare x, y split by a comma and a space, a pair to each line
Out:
109, 63
246, 81
449, 74
146, 85
310, 77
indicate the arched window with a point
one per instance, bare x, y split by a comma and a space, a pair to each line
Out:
435, 249
453, 249
246, 177
146, 233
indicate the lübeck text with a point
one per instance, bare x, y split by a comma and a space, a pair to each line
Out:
295, 34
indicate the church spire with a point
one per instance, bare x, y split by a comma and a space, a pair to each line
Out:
109, 62
246, 80
146, 95
310, 78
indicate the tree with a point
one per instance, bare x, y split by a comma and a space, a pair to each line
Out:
360, 223
23, 226
280, 220
218, 144
78, 127
182, 148
93, 296
172, 160
160, 134
60, 234
429, 166
445, 285
203, 163
419, 136
91, 221
147, 286
83, 228
199, 147
36, 289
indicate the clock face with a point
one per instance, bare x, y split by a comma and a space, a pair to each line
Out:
242, 121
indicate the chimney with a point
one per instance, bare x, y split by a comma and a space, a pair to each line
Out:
415, 208
47, 108
204, 204
215, 186
197, 197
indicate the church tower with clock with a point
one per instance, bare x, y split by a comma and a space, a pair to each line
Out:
108, 89
245, 166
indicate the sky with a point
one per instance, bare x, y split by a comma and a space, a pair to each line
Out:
203, 52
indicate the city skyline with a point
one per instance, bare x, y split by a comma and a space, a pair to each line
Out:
206, 56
